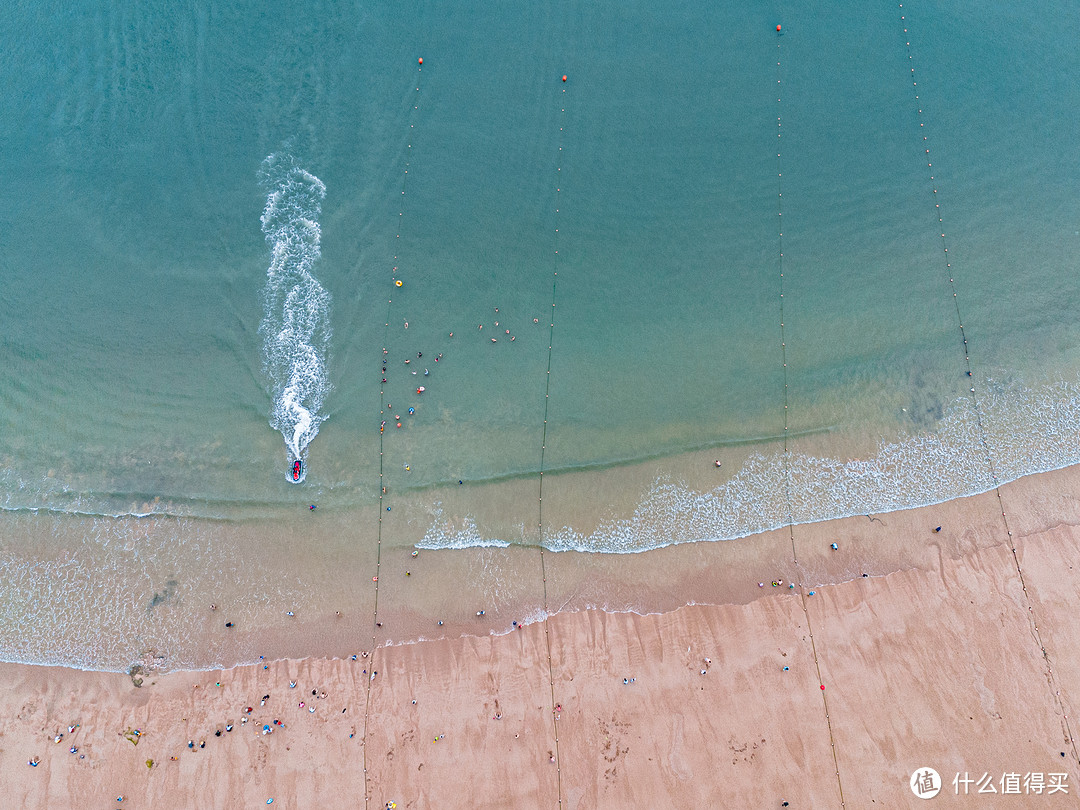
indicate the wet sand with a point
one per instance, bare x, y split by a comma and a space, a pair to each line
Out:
935, 659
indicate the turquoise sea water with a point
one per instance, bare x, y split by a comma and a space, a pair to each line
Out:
205, 208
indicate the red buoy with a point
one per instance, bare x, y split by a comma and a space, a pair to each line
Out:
564, 77
777, 28
421, 60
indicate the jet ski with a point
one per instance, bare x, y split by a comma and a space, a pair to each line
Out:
297, 470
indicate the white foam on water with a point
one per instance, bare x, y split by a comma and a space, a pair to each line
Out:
444, 534
296, 319
1028, 431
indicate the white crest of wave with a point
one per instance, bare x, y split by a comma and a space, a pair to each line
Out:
1028, 431
443, 534
296, 318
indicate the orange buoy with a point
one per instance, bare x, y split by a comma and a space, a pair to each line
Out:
421, 60
564, 77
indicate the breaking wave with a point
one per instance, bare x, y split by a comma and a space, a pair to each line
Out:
1028, 431
447, 534
296, 319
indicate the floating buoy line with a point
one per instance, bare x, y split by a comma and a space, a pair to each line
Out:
543, 437
382, 412
788, 518
973, 393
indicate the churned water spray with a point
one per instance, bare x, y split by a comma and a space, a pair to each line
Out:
296, 319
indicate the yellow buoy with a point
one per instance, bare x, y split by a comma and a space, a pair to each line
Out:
397, 283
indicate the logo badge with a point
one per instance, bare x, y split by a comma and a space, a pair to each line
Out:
925, 783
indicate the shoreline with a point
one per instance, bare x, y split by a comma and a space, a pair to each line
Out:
932, 665
825, 456
504, 582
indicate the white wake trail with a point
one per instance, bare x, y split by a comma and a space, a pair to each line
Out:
296, 319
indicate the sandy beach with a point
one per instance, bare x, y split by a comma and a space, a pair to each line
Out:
962, 658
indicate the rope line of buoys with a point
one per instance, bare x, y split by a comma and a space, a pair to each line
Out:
543, 439
375, 624
789, 517
979, 422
